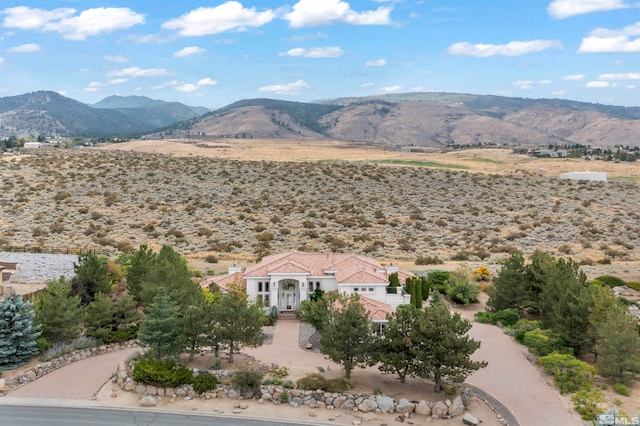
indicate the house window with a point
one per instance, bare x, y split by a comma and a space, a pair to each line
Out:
266, 286
370, 288
266, 299
259, 286
356, 289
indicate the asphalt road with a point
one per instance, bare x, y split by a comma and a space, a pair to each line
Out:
11, 415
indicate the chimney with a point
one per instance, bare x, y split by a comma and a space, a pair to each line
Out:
233, 269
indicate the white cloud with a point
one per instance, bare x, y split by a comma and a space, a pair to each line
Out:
545, 82
603, 40
215, 20
286, 89
116, 58
598, 84
365, 85
630, 86
620, 76
559, 92
307, 13
523, 84
574, 77
376, 63
138, 72
206, 82
315, 52
391, 89
513, 48
25, 48
188, 51
560, 9
95, 86
187, 87
27, 18
1, 60
89, 22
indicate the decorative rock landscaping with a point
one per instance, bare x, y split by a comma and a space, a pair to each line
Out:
312, 399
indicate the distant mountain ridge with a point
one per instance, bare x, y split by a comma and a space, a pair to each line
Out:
418, 119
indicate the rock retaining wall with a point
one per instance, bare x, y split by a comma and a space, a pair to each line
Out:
275, 394
12, 383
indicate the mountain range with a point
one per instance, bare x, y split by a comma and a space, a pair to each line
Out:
421, 119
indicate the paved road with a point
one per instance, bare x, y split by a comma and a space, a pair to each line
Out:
512, 380
79, 380
65, 416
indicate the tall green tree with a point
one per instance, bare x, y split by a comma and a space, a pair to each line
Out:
92, 277
537, 275
139, 271
425, 288
394, 349
105, 316
509, 288
237, 323
618, 345
59, 313
442, 347
348, 337
159, 328
195, 325
18, 333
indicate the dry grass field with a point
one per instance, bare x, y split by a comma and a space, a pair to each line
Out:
239, 199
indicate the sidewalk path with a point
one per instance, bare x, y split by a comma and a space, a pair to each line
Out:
512, 380
79, 380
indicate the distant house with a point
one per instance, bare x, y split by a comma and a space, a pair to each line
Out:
549, 153
37, 145
284, 280
593, 176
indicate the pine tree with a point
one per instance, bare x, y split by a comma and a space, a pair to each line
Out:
195, 325
425, 288
509, 288
18, 333
160, 329
92, 277
618, 345
394, 350
59, 313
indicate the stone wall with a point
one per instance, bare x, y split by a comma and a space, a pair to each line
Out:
10, 384
318, 399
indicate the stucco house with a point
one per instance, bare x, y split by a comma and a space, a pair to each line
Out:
284, 280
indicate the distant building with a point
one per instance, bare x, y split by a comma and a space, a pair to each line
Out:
37, 145
594, 176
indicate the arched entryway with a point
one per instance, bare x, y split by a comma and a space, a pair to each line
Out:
288, 294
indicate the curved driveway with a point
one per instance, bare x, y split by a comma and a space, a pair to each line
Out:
511, 379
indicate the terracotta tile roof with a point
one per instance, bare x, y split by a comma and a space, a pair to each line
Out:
224, 281
359, 275
377, 310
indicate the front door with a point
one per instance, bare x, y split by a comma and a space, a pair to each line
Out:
288, 296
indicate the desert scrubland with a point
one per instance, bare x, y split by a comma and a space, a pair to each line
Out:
242, 200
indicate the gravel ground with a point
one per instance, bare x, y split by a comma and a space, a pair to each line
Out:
38, 268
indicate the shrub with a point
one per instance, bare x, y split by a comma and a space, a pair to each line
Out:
287, 384
610, 281
634, 285
429, 260
481, 274
167, 373
621, 389
211, 259
438, 280
312, 381
485, 317
337, 385
463, 291
542, 342
215, 365
586, 403
507, 317
569, 374
522, 326
245, 380
204, 382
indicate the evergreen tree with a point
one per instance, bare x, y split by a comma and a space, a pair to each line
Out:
442, 347
348, 337
159, 328
509, 288
409, 287
394, 281
236, 322
425, 288
417, 289
105, 316
604, 302
537, 275
18, 333
618, 345
195, 325
394, 350
59, 313
92, 277
139, 271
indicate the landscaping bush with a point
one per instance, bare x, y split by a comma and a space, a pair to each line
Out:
245, 380
150, 371
337, 385
507, 317
542, 342
481, 274
621, 389
464, 292
438, 280
287, 384
522, 326
586, 402
210, 258
204, 382
312, 381
569, 374
610, 281
485, 317
634, 285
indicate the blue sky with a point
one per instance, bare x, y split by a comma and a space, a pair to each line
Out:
212, 53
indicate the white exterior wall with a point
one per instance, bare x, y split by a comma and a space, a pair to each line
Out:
379, 292
593, 176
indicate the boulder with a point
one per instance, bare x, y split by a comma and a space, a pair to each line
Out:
385, 404
141, 389
440, 410
339, 401
423, 408
367, 405
469, 419
457, 407
349, 404
404, 406
148, 401
151, 390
